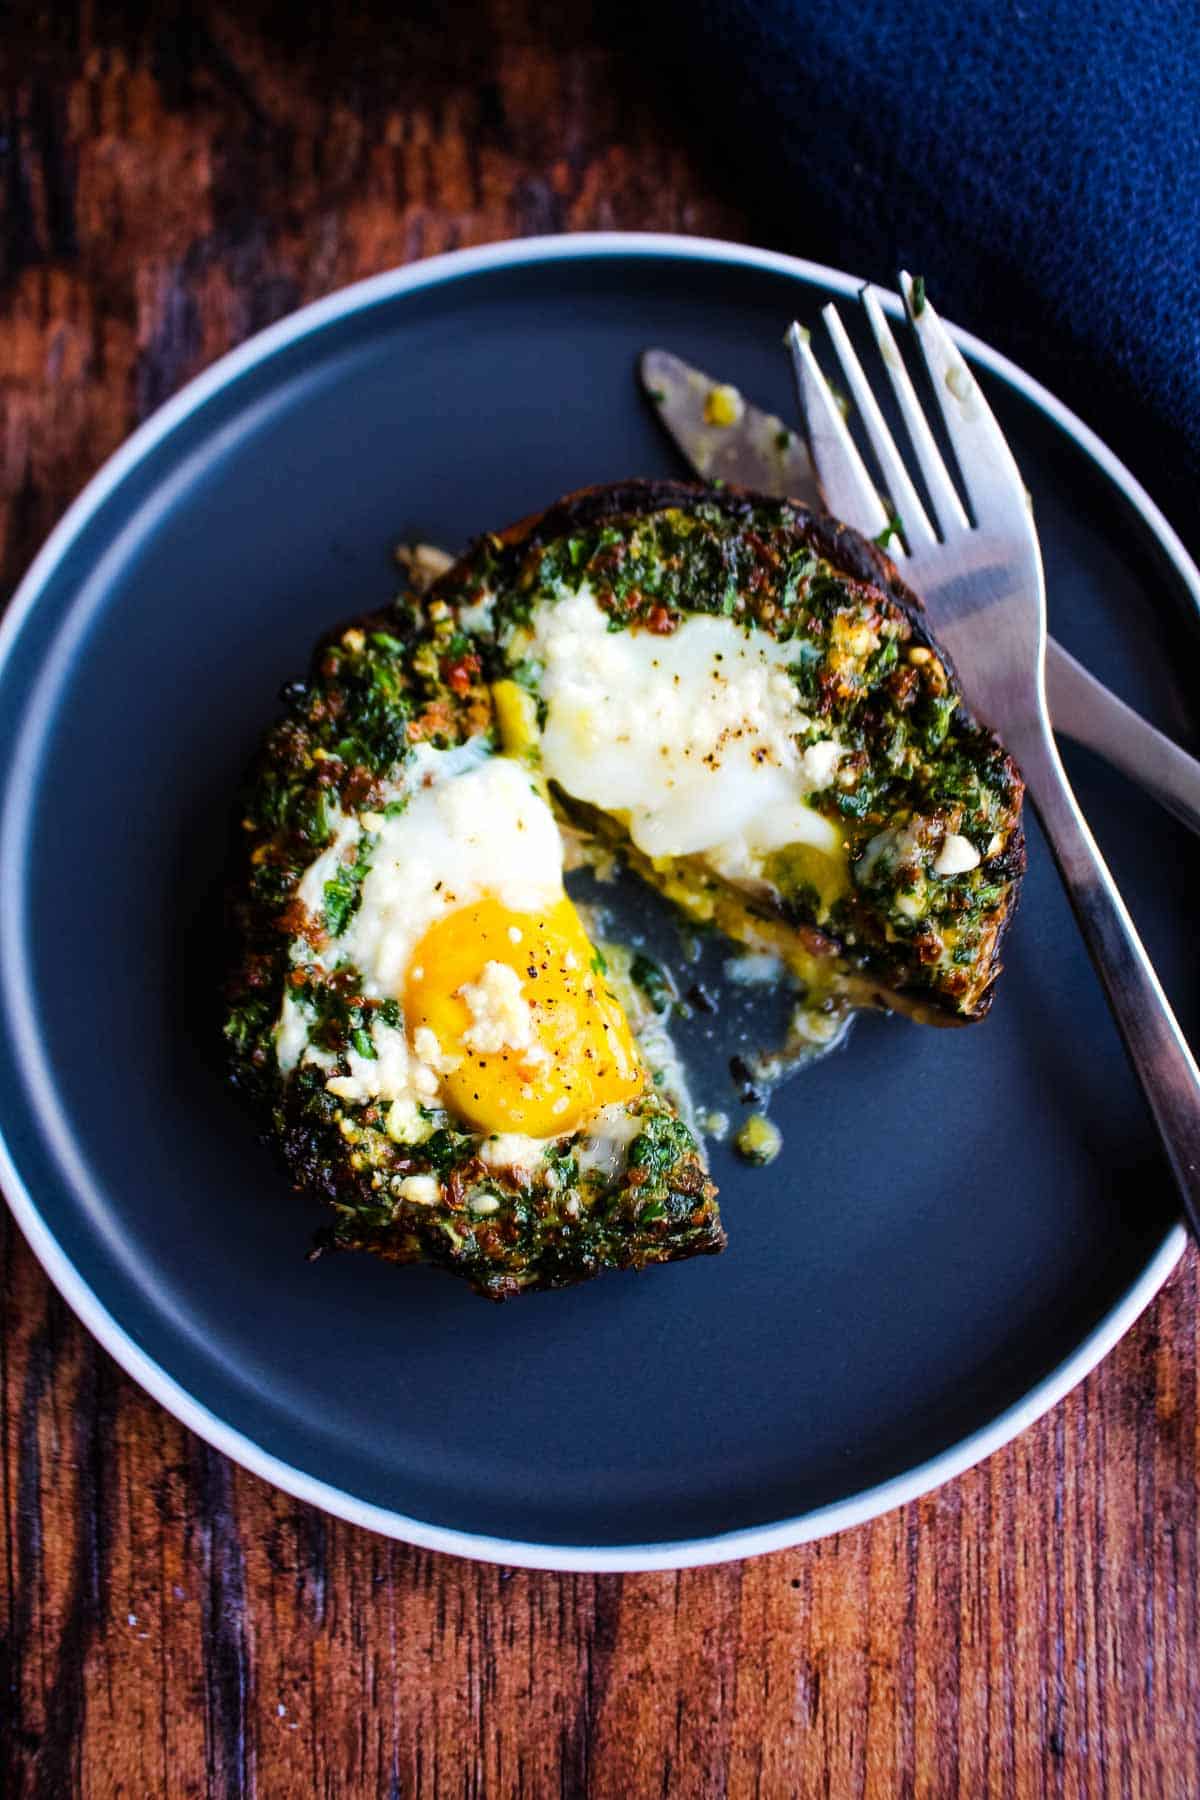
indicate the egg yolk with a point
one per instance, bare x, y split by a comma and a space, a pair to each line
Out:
529, 1037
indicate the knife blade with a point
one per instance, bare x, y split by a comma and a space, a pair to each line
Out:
722, 436
725, 438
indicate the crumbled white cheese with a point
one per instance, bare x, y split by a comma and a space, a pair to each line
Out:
501, 1017
291, 1037
714, 1125
956, 856
291, 1033
819, 763
384, 1075
477, 616
406, 1123
422, 1190
428, 1050
898, 844
511, 1150
393, 1073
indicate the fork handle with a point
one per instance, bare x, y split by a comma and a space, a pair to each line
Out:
1156, 1046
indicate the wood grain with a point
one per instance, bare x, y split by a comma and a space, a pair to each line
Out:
173, 179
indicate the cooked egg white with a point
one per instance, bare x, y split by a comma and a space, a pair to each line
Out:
695, 738
466, 832
507, 1023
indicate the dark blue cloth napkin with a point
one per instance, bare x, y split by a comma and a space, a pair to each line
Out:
1039, 163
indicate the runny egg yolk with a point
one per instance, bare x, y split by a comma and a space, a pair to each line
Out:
529, 1038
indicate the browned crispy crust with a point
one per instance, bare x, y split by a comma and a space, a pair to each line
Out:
847, 549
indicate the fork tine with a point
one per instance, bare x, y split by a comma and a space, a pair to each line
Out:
984, 457
914, 520
846, 488
948, 508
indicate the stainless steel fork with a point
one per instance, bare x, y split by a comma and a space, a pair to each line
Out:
981, 578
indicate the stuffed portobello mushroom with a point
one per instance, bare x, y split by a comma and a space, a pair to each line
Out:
416, 1008
738, 696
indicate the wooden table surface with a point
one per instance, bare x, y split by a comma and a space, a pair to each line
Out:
175, 179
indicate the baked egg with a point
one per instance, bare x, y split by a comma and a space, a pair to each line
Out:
506, 1020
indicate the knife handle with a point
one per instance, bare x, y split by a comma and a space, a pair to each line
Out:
1087, 711
1157, 1048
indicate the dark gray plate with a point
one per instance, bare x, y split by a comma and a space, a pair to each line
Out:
961, 1222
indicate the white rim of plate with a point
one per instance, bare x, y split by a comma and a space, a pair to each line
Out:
688, 1552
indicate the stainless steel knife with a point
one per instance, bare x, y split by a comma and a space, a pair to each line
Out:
725, 438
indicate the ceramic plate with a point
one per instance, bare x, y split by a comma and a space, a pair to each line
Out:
961, 1223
